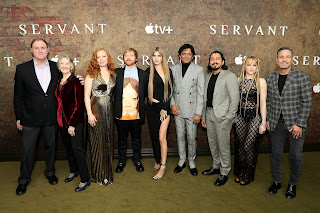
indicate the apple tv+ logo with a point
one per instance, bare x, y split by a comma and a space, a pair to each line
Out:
239, 59
56, 59
150, 29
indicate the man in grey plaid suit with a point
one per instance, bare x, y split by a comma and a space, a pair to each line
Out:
288, 107
186, 105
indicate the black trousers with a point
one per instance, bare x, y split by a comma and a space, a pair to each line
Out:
30, 136
75, 151
153, 116
124, 127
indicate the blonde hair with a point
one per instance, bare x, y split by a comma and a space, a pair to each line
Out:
256, 78
166, 72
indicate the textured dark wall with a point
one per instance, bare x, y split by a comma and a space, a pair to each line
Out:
234, 27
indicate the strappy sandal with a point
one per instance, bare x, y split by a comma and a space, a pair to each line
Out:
243, 183
237, 180
156, 166
157, 177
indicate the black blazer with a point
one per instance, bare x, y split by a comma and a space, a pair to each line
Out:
33, 107
118, 90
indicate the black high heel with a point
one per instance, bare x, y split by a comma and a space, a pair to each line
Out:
69, 179
79, 189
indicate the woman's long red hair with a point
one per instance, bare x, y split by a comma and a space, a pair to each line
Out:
93, 69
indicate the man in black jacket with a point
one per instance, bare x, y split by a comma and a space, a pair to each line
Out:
35, 107
129, 108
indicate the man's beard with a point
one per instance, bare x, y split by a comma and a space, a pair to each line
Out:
210, 68
129, 63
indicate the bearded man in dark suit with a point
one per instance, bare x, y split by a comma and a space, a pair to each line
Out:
130, 92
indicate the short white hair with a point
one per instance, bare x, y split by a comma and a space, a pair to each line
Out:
69, 58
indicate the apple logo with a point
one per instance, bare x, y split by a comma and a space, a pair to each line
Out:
55, 59
149, 29
316, 88
239, 59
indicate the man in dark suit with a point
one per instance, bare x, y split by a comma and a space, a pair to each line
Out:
288, 107
130, 92
35, 107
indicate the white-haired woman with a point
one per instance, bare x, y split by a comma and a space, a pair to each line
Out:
70, 117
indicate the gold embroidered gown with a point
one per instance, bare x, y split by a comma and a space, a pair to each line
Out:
100, 137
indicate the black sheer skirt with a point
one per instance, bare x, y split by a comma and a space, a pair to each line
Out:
246, 148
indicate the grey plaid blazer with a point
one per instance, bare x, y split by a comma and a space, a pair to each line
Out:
188, 91
295, 100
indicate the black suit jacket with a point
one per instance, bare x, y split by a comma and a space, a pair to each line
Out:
118, 90
33, 107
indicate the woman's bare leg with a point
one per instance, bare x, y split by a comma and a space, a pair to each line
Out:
164, 147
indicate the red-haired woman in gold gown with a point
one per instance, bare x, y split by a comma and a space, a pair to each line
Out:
99, 84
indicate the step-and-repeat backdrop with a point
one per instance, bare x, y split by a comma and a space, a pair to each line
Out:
236, 28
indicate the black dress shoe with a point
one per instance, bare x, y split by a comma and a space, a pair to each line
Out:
222, 179
79, 189
21, 189
71, 177
194, 171
139, 167
120, 167
291, 191
178, 169
274, 188
211, 171
53, 180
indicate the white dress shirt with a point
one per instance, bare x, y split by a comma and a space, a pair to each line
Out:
43, 74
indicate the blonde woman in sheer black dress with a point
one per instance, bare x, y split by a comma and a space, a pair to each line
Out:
251, 120
99, 84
